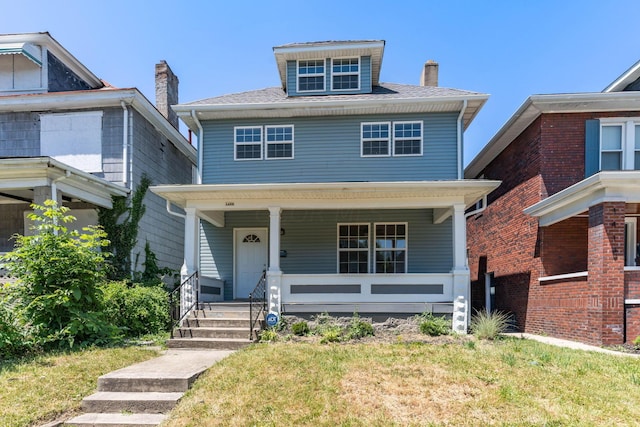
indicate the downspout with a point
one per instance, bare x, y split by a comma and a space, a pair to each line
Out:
200, 144
170, 212
125, 144
479, 210
460, 131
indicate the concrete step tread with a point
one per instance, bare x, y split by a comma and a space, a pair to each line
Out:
116, 419
217, 328
135, 396
212, 339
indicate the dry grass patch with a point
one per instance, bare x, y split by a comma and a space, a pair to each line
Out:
511, 382
39, 389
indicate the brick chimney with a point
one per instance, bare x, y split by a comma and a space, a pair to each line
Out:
166, 92
429, 75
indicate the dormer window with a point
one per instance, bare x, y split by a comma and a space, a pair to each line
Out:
345, 74
311, 75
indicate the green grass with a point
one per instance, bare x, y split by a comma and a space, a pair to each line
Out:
508, 382
39, 389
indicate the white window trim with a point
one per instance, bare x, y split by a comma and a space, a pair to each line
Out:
339, 249
630, 244
292, 142
236, 143
350, 73
363, 139
405, 249
393, 133
324, 76
628, 140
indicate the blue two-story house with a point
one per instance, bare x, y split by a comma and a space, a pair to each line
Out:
347, 191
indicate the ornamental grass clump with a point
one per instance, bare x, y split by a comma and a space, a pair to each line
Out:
489, 325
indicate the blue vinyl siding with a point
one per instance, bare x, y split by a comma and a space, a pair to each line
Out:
313, 249
327, 149
365, 79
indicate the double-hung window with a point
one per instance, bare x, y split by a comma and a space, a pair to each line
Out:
311, 75
630, 241
345, 74
376, 139
391, 138
353, 248
391, 248
247, 143
279, 142
620, 144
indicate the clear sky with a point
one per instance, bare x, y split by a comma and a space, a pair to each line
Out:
509, 49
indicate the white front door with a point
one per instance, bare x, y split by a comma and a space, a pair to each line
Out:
250, 259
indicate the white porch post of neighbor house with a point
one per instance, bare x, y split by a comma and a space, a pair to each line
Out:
274, 274
461, 276
190, 264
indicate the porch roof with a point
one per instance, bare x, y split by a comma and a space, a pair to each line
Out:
329, 195
608, 186
19, 176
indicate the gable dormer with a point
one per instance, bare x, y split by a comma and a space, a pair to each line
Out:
329, 68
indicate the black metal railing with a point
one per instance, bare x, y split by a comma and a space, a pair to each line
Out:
182, 300
257, 303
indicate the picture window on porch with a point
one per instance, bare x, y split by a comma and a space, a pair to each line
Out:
391, 248
353, 248
630, 242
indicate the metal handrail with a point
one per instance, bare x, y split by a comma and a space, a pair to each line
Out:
257, 302
179, 306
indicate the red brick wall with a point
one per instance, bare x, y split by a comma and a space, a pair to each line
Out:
564, 247
632, 291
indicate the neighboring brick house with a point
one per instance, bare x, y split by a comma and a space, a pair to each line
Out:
558, 242
66, 134
348, 191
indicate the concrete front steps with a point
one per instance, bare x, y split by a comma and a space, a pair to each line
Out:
141, 395
221, 326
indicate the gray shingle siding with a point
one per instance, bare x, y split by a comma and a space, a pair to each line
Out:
328, 149
61, 78
313, 250
19, 134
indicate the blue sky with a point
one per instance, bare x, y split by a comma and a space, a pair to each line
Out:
508, 49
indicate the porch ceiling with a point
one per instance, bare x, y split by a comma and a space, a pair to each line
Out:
606, 186
332, 195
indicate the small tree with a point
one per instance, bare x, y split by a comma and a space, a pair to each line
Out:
56, 295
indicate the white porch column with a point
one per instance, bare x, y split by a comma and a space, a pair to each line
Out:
274, 274
461, 276
190, 264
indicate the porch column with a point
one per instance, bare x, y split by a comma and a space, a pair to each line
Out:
606, 273
274, 275
460, 271
190, 264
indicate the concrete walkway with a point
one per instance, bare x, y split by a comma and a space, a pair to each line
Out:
569, 344
142, 394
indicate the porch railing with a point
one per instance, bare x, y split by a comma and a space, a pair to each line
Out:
257, 303
183, 299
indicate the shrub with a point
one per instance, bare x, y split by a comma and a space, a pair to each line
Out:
434, 326
136, 309
636, 342
331, 333
300, 328
268, 335
359, 328
489, 325
55, 296
13, 341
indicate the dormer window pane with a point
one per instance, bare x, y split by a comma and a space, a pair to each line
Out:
311, 75
345, 74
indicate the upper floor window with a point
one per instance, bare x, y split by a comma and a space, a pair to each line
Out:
279, 144
345, 74
311, 75
248, 143
619, 144
377, 138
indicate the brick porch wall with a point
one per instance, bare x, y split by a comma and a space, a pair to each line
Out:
632, 312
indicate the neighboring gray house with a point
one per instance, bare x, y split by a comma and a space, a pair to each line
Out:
348, 191
66, 134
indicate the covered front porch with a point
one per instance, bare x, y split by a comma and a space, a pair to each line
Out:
367, 247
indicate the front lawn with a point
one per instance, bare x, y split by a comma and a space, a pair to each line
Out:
39, 389
457, 383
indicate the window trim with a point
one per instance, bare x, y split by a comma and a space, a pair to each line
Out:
339, 249
236, 143
266, 142
323, 74
405, 249
627, 145
342, 73
421, 122
362, 139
